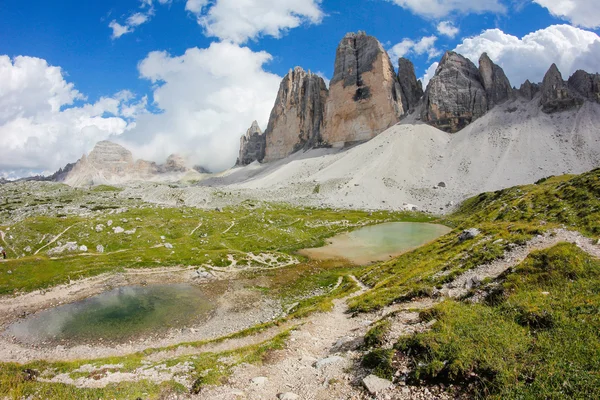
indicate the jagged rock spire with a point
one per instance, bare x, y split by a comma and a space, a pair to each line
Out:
496, 84
252, 145
412, 89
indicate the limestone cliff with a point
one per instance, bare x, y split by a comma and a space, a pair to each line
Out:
586, 85
496, 84
412, 89
296, 120
365, 97
556, 95
252, 145
528, 90
456, 95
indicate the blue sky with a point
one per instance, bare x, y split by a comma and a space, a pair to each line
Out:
95, 67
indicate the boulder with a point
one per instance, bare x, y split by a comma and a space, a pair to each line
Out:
365, 97
556, 95
288, 396
375, 384
469, 234
324, 362
496, 84
296, 120
100, 248
585, 84
252, 145
412, 89
455, 96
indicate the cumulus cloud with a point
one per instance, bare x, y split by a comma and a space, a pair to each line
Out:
429, 74
585, 13
530, 57
239, 21
208, 98
441, 8
41, 128
447, 28
425, 45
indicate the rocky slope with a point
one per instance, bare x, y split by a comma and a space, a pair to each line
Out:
110, 163
296, 120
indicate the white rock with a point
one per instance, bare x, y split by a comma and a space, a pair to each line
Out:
109, 223
288, 396
99, 228
130, 232
168, 245
328, 361
118, 229
100, 248
259, 381
83, 248
27, 249
375, 384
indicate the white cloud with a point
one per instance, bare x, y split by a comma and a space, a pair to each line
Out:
118, 29
441, 8
530, 57
40, 129
585, 13
195, 6
208, 97
134, 20
429, 74
447, 28
425, 45
239, 21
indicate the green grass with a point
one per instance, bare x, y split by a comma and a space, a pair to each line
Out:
538, 338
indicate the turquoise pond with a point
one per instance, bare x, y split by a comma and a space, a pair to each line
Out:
118, 315
377, 242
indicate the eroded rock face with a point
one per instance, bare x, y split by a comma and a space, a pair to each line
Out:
365, 97
455, 96
110, 157
496, 84
528, 90
556, 95
412, 89
296, 121
175, 163
586, 84
252, 145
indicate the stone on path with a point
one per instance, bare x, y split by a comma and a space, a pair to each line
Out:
288, 396
328, 361
259, 381
375, 384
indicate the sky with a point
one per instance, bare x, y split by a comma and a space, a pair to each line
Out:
190, 76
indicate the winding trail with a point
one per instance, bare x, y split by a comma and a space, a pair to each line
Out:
196, 228
53, 240
228, 229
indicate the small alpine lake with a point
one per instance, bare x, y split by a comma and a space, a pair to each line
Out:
117, 315
377, 242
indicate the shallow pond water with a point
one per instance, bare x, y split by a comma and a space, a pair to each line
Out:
377, 242
118, 315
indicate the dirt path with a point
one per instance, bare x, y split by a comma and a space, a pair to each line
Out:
196, 228
53, 240
228, 229
463, 283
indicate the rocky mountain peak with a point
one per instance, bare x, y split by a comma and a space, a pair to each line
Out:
496, 84
586, 85
297, 118
175, 163
556, 95
109, 153
456, 95
252, 145
528, 90
365, 97
412, 89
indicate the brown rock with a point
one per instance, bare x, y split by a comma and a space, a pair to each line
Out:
496, 84
365, 97
297, 118
455, 96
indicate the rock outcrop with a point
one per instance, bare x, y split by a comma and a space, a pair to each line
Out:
585, 84
496, 84
296, 121
456, 95
556, 95
110, 163
412, 89
252, 145
365, 97
528, 90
